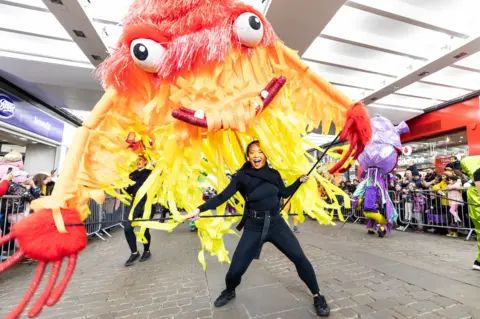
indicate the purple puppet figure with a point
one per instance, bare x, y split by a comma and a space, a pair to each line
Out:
378, 160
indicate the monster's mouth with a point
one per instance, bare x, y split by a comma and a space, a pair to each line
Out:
199, 118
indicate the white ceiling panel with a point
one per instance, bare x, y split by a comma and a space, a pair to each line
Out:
348, 77
352, 56
31, 21
29, 3
406, 101
37, 46
471, 62
456, 78
377, 31
434, 92
394, 114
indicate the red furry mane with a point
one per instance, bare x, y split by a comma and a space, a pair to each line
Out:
195, 32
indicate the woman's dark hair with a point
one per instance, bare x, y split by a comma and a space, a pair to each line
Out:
250, 145
39, 178
453, 178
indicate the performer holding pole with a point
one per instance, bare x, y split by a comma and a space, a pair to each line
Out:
139, 176
263, 188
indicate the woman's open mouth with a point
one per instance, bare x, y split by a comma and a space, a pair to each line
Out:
199, 118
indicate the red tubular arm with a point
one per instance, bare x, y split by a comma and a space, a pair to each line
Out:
4, 187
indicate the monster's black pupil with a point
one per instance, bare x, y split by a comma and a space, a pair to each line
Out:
255, 22
140, 51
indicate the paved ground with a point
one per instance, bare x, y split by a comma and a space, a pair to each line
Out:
404, 276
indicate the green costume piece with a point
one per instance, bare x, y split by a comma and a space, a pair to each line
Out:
469, 166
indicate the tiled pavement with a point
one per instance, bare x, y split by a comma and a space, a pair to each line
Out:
404, 276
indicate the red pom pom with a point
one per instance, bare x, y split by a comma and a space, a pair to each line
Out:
40, 239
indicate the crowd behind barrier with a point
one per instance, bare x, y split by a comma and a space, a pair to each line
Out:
427, 211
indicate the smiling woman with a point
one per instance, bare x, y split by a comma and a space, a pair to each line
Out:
262, 188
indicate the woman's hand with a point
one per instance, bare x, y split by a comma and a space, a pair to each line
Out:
304, 178
8, 177
193, 216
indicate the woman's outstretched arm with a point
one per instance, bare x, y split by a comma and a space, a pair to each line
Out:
221, 198
286, 192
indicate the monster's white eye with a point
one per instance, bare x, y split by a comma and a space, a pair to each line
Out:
146, 53
249, 29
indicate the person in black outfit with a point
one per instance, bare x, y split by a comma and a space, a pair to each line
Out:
454, 163
139, 177
263, 190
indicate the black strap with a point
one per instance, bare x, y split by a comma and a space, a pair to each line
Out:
263, 237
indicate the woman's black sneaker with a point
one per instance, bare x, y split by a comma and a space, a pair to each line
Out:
321, 306
133, 258
476, 265
224, 298
145, 256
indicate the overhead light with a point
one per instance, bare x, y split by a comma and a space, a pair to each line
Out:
96, 57
424, 73
60, 2
33, 142
79, 33
23, 138
460, 55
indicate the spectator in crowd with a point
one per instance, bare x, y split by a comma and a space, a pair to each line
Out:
350, 188
439, 188
419, 202
355, 184
429, 178
413, 168
417, 179
455, 200
44, 183
454, 164
398, 202
407, 179
408, 196
27, 191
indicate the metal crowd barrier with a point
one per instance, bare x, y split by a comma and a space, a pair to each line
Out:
10, 214
102, 217
433, 210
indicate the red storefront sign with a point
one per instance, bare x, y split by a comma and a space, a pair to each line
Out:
441, 162
461, 115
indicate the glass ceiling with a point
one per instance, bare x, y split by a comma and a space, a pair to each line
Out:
366, 47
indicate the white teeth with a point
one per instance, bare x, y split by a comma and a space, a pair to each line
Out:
264, 94
199, 114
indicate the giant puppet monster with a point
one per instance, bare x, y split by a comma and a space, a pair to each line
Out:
378, 159
192, 79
